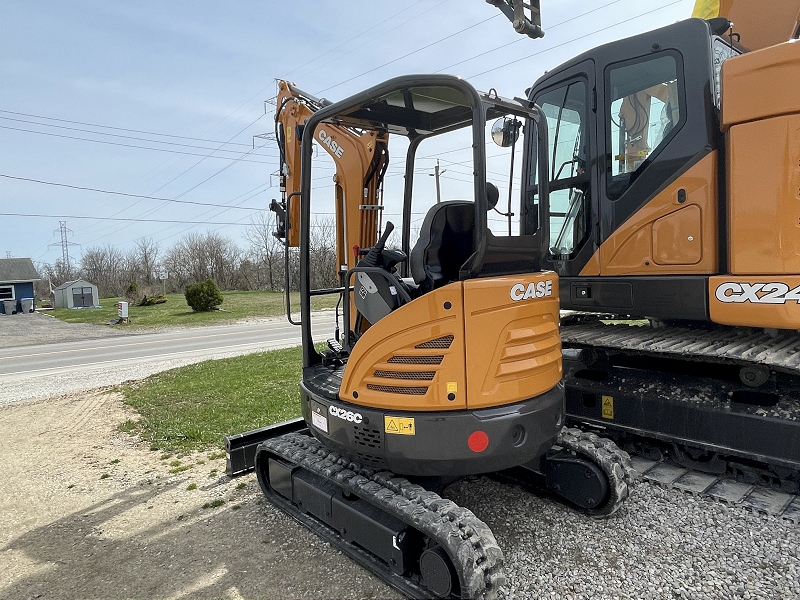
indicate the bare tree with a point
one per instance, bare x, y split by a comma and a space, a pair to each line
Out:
105, 267
322, 254
265, 251
147, 252
197, 257
52, 274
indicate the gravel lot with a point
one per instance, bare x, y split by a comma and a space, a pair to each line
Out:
74, 523
40, 328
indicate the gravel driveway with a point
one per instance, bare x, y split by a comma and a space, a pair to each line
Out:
89, 512
29, 329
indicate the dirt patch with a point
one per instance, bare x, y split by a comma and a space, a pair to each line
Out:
89, 512
30, 329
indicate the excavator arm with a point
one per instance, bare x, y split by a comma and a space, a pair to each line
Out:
514, 10
360, 159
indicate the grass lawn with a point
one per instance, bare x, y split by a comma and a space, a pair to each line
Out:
175, 311
195, 407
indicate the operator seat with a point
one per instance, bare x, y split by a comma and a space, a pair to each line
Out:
445, 243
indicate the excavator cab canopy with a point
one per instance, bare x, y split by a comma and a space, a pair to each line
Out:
419, 107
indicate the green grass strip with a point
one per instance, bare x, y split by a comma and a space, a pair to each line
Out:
235, 305
193, 408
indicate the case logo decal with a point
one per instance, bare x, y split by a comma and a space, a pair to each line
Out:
757, 293
519, 291
335, 148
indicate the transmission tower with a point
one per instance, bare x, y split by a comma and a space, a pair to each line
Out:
65, 243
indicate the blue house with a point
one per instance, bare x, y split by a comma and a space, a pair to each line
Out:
16, 282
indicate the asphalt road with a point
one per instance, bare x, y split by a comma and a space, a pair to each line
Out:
69, 366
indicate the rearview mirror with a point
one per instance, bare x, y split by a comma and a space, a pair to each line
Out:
505, 131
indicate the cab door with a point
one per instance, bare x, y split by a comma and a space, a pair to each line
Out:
568, 100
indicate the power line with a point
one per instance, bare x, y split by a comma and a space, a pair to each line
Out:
252, 193
89, 189
218, 213
182, 173
72, 137
180, 137
40, 216
410, 53
383, 33
127, 137
156, 209
522, 39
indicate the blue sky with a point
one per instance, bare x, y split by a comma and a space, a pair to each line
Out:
185, 85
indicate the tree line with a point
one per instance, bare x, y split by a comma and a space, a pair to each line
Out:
254, 263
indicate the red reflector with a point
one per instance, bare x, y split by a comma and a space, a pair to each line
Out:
478, 441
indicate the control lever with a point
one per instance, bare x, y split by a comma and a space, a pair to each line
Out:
373, 257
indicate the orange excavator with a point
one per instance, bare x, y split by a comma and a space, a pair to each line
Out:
672, 222
446, 360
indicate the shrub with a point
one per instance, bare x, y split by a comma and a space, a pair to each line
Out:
203, 296
153, 300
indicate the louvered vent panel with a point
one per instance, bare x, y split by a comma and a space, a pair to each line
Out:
412, 375
367, 437
441, 342
375, 461
417, 360
397, 389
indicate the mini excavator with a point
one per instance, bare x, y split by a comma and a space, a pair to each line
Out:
447, 361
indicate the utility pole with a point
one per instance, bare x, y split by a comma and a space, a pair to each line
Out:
436, 173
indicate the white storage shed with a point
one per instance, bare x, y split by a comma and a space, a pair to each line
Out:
75, 294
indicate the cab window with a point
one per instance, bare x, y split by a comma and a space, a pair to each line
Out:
643, 109
565, 109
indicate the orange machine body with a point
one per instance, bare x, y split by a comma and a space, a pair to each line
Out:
761, 117
763, 23
468, 345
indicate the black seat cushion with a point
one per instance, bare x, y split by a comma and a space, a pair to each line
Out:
445, 243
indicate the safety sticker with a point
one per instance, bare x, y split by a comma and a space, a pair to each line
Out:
608, 407
398, 425
319, 421
452, 387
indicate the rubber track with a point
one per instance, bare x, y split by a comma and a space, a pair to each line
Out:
615, 463
779, 350
468, 541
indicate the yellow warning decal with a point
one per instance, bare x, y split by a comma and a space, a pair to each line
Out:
608, 407
399, 425
452, 387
